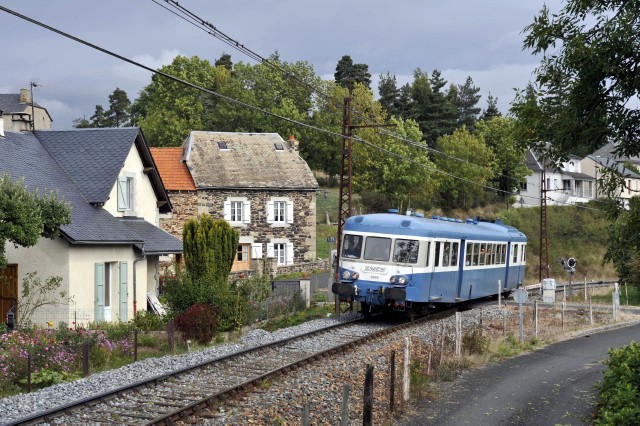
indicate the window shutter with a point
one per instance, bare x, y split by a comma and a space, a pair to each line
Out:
256, 250
124, 292
270, 212
270, 250
289, 212
99, 292
289, 253
227, 211
123, 196
246, 212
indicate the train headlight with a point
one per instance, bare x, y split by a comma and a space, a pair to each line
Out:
355, 275
402, 280
393, 279
346, 275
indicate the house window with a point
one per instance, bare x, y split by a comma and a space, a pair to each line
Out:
523, 185
243, 260
126, 192
279, 252
237, 211
280, 211
282, 251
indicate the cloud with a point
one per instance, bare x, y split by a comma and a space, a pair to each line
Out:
131, 75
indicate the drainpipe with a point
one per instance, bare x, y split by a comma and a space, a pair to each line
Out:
135, 298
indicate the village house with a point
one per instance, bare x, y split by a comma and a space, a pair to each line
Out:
19, 110
108, 257
255, 181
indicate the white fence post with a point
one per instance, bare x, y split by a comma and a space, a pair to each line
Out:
407, 361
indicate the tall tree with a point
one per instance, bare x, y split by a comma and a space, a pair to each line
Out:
492, 109
27, 216
347, 71
588, 79
99, 117
224, 61
433, 109
118, 112
468, 99
388, 91
461, 183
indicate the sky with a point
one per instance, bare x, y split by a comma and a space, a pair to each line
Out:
481, 39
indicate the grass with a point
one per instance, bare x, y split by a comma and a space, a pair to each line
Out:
299, 317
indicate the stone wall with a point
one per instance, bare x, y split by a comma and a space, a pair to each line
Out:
185, 207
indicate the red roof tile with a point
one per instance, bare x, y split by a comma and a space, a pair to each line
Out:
174, 173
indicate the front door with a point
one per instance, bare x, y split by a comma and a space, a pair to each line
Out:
9, 292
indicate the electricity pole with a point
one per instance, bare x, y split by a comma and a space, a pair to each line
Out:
544, 228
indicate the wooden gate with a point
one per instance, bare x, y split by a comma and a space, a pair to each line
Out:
8, 291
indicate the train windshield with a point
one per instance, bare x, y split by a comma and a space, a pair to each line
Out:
352, 246
406, 251
377, 248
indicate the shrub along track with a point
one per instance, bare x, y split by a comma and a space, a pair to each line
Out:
172, 397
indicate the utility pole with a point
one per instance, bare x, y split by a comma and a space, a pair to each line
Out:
33, 110
345, 204
544, 228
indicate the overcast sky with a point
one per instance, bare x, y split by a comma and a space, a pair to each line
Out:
481, 39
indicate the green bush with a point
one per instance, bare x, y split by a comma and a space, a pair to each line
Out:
474, 342
199, 323
148, 321
619, 400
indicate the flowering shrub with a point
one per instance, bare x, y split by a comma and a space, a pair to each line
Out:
46, 353
199, 322
56, 354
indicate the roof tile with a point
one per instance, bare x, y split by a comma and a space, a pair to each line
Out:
173, 171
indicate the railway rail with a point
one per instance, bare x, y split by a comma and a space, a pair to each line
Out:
166, 399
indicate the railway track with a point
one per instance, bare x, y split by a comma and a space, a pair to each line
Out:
166, 399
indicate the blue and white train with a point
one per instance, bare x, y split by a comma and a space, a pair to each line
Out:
411, 264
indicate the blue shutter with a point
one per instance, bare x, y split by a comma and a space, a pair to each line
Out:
124, 292
99, 292
123, 196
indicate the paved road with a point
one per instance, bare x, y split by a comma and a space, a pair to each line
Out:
550, 386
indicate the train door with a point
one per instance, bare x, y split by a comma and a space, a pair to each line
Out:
461, 268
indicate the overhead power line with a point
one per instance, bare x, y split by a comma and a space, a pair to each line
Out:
244, 104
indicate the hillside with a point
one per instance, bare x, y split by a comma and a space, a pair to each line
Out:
573, 232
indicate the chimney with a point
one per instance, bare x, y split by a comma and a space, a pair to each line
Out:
1, 125
25, 96
293, 143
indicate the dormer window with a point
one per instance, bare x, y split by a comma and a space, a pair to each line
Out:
222, 145
279, 146
126, 194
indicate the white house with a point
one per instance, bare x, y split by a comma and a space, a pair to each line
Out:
108, 257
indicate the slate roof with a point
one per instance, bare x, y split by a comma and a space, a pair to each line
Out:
608, 151
23, 155
532, 162
10, 103
250, 161
608, 162
173, 171
93, 159
156, 241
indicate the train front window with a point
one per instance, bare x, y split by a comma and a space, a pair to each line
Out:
406, 251
377, 248
352, 246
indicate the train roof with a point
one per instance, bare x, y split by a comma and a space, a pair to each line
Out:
435, 226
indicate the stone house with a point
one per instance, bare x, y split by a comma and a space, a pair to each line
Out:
108, 256
259, 184
18, 111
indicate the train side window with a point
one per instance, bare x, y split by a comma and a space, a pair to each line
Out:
504, 254
437, 261
454, 254
483, 253
515, 253
524, 253
468, 254
352, 246
446, 254
494, 248
406, 251
499, 254
377, 248
476, 254
428, 252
